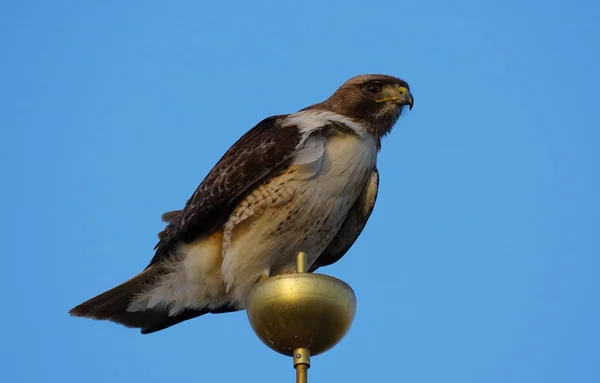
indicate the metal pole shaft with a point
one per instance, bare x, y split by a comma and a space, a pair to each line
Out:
302, 373
301, 364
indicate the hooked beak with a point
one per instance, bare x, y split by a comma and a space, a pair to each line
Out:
405, 97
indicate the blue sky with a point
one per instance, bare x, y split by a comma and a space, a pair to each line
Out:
479, 263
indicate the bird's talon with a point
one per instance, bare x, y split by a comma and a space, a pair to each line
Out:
263, 277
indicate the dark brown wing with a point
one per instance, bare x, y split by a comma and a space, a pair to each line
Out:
259, 154
352, 226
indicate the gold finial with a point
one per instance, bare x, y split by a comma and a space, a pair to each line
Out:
301, 262
301, 314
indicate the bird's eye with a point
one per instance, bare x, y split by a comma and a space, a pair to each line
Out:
373, 88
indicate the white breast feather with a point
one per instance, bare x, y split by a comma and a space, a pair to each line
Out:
309, 120
310, 157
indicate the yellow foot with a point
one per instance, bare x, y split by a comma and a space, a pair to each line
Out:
263, 276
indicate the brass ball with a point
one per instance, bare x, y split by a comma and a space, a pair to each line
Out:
302, 310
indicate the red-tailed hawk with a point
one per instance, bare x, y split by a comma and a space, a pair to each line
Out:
305, 181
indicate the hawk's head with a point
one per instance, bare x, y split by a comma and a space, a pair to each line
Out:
374, 100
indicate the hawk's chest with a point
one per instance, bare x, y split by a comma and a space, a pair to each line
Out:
324, 191
335, 165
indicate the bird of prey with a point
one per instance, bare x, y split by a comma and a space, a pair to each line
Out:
305, 181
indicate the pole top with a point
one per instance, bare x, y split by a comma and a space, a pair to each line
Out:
301, 310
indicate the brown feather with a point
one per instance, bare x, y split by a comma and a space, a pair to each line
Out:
112, 304
169, 216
